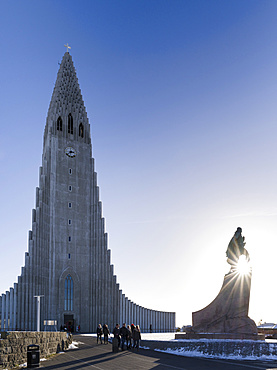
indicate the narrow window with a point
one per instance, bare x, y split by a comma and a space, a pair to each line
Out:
70, 171
70, 124
69, 205
69, 256
68, 293
59, 124
69, 238
81, 130
69, 222
69, 188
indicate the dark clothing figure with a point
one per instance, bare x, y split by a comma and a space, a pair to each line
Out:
129, 337
136, 337
132, 330
123, 333
106, 333
99, 333
116, 333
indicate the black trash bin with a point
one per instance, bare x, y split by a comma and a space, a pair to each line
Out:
33, 356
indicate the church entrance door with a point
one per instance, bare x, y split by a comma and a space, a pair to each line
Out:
69, 323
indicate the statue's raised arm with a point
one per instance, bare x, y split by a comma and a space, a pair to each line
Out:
236, 248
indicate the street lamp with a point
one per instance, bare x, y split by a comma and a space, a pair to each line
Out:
38, 310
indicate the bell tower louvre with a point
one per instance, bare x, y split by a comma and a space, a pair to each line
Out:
68, 261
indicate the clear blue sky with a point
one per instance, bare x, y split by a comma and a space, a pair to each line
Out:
181, 98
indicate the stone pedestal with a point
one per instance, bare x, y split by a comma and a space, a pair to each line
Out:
228, 312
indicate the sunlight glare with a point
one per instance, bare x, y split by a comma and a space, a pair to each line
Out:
243, 267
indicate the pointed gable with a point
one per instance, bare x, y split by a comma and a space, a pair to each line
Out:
67, 102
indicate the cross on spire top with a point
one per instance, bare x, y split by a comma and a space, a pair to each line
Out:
67, 47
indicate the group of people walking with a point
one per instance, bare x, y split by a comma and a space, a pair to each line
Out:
100, 331
129, 335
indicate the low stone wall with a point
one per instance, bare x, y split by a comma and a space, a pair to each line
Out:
13, 349
216, 348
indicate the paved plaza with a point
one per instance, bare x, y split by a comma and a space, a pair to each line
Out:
90, 355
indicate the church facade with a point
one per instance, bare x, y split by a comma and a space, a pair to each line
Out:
68, 262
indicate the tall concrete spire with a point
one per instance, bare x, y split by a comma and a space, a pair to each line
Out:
67, 99
68, 260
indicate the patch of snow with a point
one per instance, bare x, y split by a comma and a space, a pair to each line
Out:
158, 336
182, 352
271, 340
73, 345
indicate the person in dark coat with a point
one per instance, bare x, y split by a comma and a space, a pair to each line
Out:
132, 330
116, 333
129, 337
106, 333
123, 333
99, 333
136, 337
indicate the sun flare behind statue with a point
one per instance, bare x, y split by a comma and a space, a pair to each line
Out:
243, 266
237, 255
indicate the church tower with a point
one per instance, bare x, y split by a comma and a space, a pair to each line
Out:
68, 260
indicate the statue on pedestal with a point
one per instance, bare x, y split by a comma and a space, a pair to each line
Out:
228, 312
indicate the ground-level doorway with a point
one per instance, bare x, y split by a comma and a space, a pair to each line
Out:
69, 323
